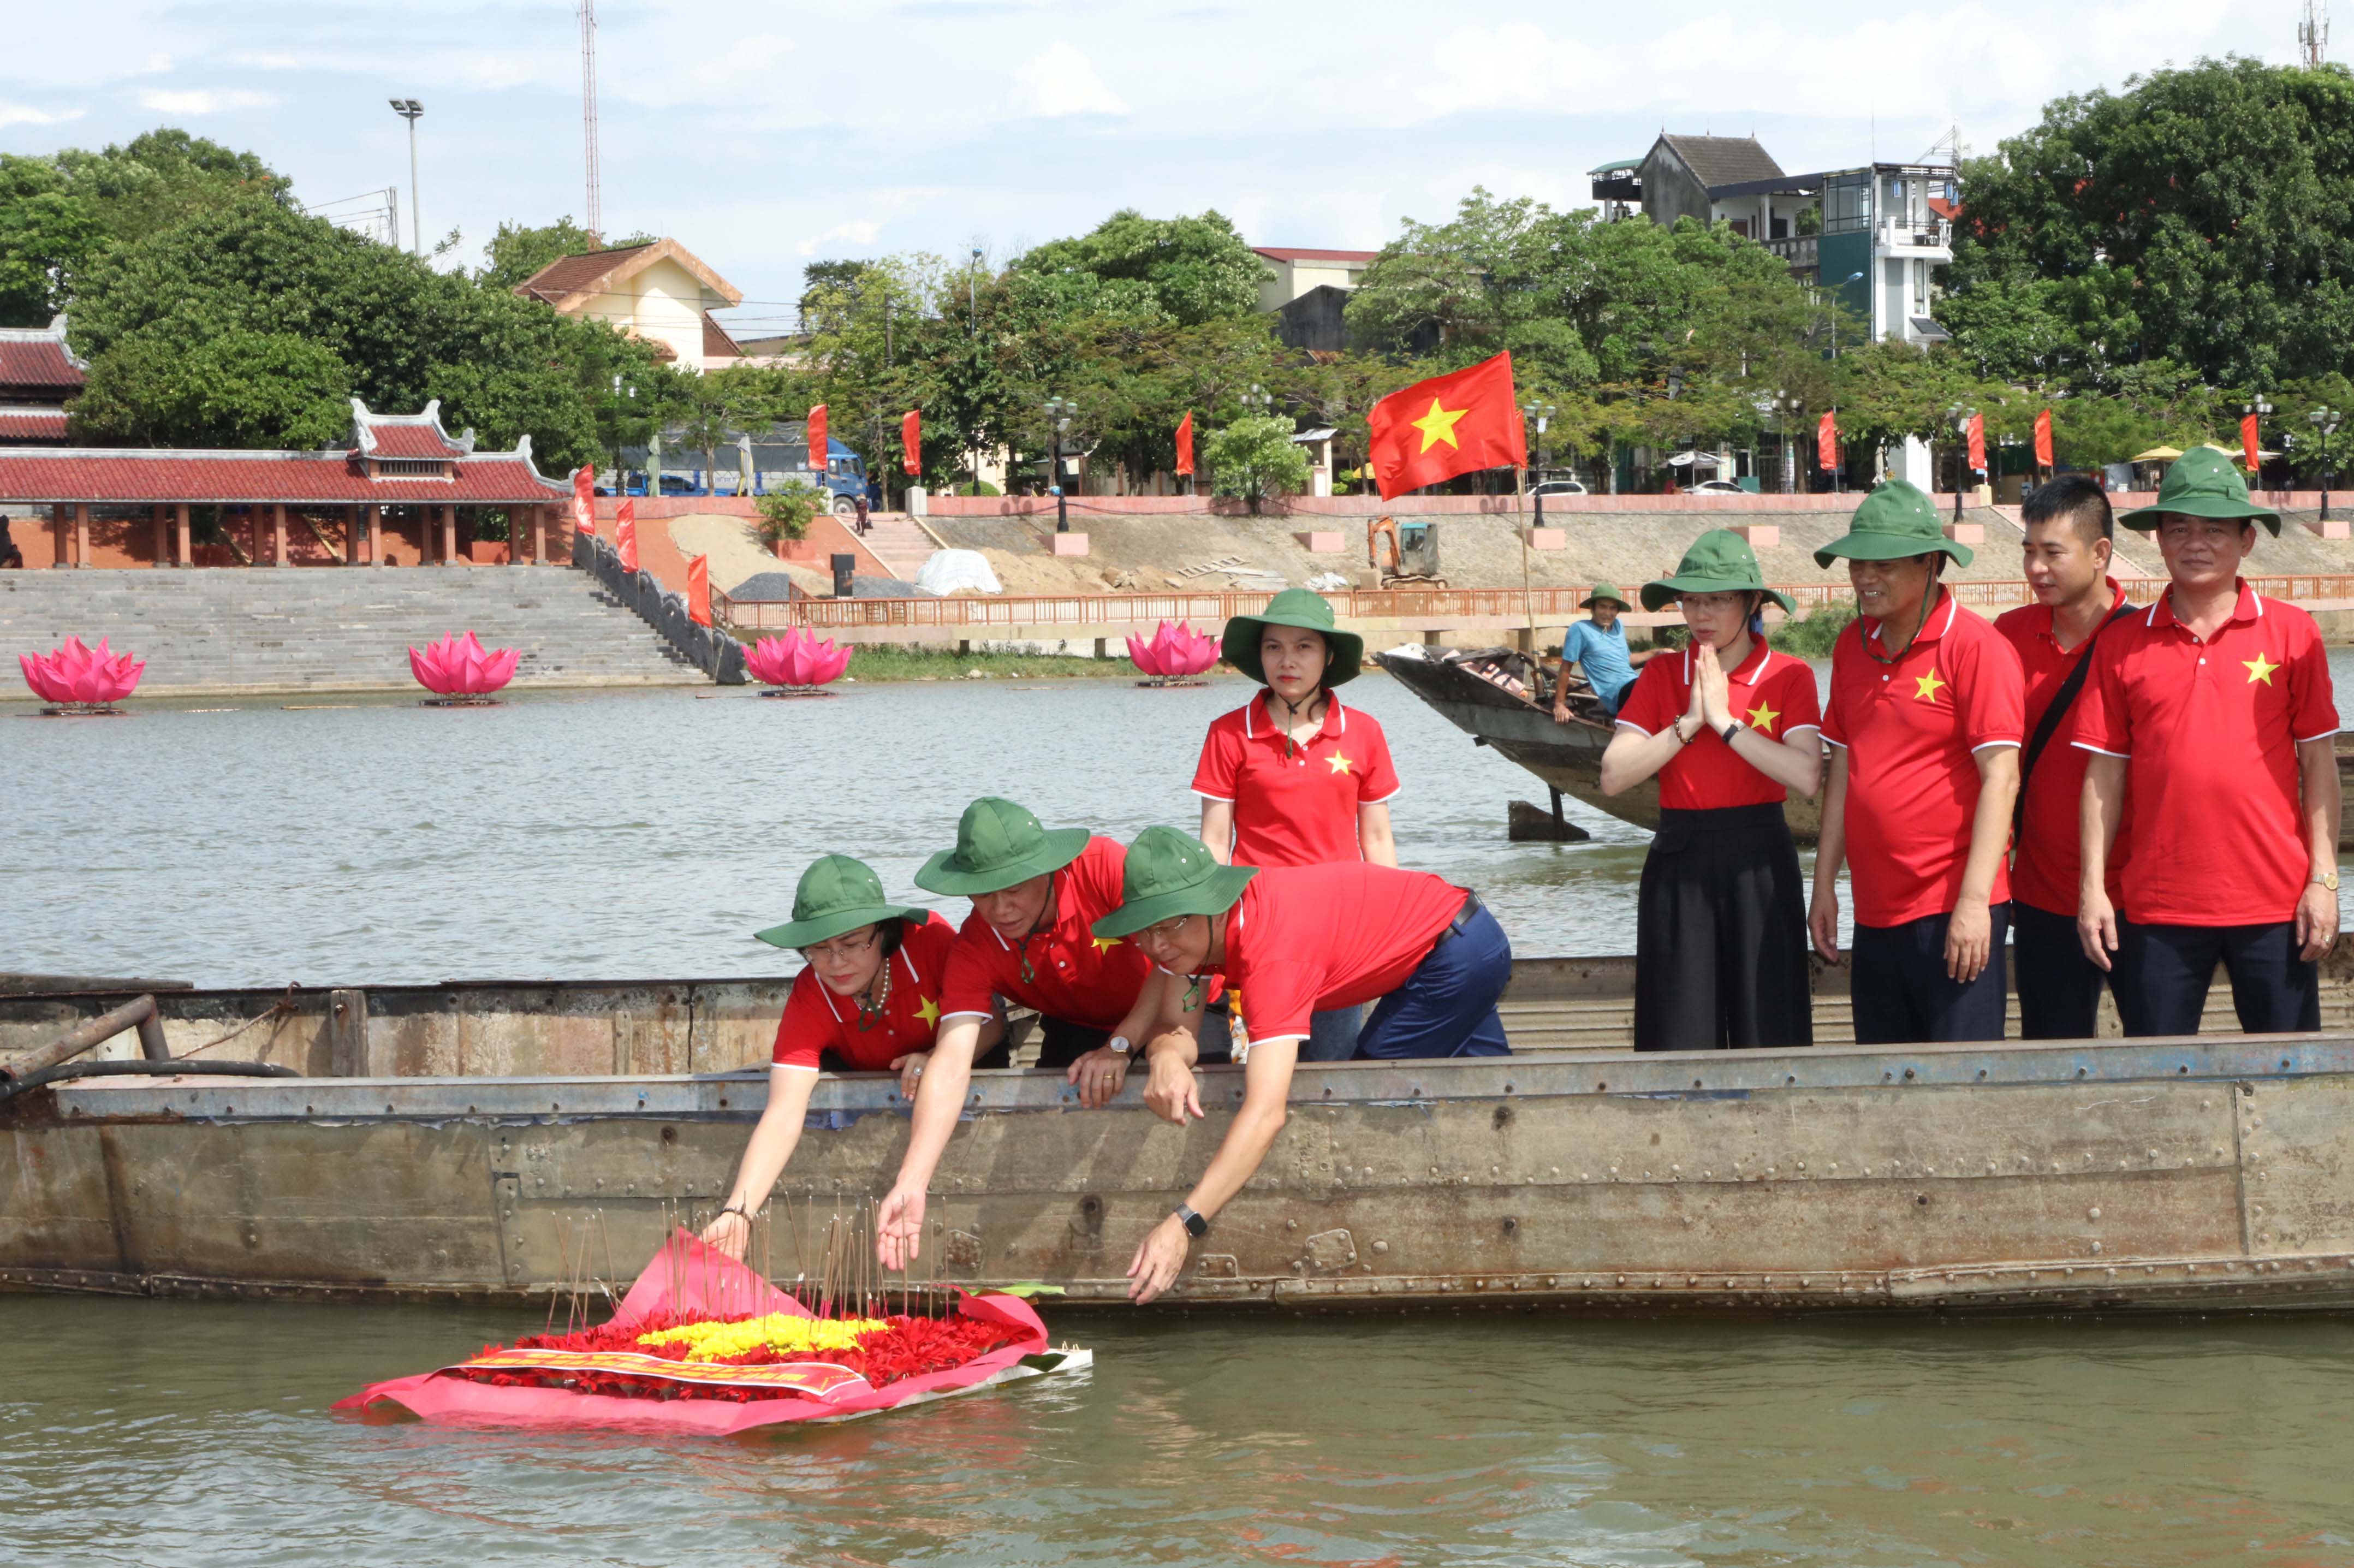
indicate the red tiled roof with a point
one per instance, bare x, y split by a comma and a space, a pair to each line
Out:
1278, 253
567, 273
40, 362
411, 441
322, 478
26, 424
716, 344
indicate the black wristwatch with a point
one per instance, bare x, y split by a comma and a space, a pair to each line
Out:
1195, 1225
1731, 731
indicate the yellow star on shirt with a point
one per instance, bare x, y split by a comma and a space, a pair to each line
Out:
2259, 669
1439, 425
1103, 944
1763, 718
928, 1011
1928, 685
1337, 763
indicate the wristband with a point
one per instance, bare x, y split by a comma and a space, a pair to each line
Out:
1732, 732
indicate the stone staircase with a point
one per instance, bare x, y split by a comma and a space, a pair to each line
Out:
899, 542
329, 629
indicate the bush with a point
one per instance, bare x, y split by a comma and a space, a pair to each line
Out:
786, 511
978, 487
1255, 457
1812, 637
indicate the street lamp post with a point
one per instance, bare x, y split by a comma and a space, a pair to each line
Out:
2325, 420
1058, 414
409, 109
1540, 415
1962, 470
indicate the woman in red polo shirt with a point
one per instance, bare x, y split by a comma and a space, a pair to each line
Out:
1730, 728
1292, 778
869, 1001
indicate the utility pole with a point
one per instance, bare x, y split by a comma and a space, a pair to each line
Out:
588, 116
409, 109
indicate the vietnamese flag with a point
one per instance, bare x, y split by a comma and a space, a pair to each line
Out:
1977, 443
1185, 444
1827, 442
819, 450
625, 534
584, 509
1447, 425
698, 589
911, 443
2043, 439
2248, 442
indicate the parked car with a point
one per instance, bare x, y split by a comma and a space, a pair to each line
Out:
1559, 487
1718, 487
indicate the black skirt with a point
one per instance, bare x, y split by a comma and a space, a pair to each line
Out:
1721, 935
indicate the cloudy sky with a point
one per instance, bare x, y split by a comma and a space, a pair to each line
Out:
764, 135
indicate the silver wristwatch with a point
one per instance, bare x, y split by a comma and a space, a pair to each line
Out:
1118, 1045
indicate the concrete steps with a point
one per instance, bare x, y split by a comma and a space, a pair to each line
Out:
899, 543
336, 629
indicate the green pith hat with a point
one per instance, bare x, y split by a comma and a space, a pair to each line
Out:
2202, 483
1605, 590
1895, 522
1719, 561
999, 844
1309, 612
1170, 873
836, 893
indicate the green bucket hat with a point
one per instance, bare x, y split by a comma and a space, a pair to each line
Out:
1895, 522
997, 845
2202, 482
1719, 561
1602, 591
1302, 609
1171, 873
836, 893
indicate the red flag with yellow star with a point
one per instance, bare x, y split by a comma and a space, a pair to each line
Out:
1447, 425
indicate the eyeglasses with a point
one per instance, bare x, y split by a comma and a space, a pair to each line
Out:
1165, 930
844, 949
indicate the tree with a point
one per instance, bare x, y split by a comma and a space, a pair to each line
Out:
517, 251
1255, 457
1193, 270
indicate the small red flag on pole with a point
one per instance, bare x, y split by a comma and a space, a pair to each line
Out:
584, 509
2043, 439
2248, 442
698, 589
625, 534
1457, 423
1185, 445
1826, 441
1977, 443
911, 443
819, 449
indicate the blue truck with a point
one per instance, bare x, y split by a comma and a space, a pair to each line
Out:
779, 455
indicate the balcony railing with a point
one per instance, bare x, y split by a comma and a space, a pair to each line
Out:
1923, 234
1798, 250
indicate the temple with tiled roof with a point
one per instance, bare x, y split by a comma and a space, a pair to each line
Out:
38, 375
404, 465
660, 292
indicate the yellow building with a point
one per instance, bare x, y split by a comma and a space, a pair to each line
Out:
659, 292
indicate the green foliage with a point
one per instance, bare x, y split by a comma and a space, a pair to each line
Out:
787, 512
1255, 457
518, 250
1189, 269
1811, 636
978, 487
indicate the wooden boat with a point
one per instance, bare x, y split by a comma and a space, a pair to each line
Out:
461, 1141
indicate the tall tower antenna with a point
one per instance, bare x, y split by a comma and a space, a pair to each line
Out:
589, 113
2313, 34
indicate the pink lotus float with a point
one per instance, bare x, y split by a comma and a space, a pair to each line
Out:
460, 672
81, 680
796, 663
1174, 655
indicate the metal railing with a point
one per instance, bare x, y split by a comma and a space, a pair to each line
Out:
1799, 249
1928, 233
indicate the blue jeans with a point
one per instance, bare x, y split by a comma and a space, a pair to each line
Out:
1448, 1006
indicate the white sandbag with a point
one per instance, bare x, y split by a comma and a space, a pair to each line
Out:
946, 571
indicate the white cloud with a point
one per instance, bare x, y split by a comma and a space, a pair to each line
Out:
201, 102
1062, 81
26, 114
859, 232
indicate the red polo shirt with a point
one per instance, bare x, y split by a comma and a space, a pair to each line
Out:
1294, 805
2212, 729
1075, 976
1911, 729
1306, 937
2047, 854
816, 1020
1771, 692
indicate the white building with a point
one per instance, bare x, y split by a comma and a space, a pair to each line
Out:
659, 292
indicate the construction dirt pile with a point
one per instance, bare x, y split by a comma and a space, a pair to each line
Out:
736, 554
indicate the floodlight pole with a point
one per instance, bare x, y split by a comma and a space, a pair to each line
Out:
409, 109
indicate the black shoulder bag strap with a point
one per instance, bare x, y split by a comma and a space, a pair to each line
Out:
2048, 726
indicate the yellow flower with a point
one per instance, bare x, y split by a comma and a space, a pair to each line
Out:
786, 1335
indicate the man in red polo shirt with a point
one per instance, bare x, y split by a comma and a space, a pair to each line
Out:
2211, 715
1924, 724
2070, 536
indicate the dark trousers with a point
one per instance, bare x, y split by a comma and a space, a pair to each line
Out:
1448, 1006
2059, 987
1903, 994
2163, 973
1721, 935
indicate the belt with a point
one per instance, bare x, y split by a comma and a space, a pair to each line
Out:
1463, 917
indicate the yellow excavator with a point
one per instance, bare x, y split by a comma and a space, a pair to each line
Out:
1416, 564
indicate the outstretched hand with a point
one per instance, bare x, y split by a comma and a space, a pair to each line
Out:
899, 1228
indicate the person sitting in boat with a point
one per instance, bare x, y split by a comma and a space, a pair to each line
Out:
1292, 778
869, 1001
1035, 896
1730, 728
1291, 941
1598, 646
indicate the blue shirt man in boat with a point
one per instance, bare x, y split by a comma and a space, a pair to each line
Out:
1598, 646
